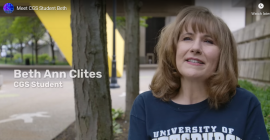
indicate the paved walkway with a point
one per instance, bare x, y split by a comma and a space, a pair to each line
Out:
42, 113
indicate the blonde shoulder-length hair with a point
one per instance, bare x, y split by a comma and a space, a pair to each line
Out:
222, 84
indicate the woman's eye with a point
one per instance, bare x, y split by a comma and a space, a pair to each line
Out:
187, 38
209, 41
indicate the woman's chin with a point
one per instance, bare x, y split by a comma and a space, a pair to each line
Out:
194, 76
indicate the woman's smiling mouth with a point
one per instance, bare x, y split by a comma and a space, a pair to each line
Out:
195, 61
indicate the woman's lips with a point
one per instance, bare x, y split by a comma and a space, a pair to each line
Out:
194, 61
195, 64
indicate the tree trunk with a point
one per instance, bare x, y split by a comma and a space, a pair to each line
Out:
1, 48
132, 44
36, 50
11, 51
89, 47
32, 51
52, 49
53, 55
21, 50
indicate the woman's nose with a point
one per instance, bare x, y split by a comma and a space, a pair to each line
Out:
196, 47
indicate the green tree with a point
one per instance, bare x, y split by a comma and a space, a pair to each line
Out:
1, 43
37, 31
52, 43
121, 22
7, 37
2, 35
89, 48
1, 48
21, 30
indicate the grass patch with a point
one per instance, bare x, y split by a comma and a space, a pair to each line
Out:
12, 62
263, 95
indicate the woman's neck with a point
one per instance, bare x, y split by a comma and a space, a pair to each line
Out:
191, 92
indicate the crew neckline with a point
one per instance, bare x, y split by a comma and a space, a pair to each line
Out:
192, 107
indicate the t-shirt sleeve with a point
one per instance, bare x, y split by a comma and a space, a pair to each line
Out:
137, 126
255, 127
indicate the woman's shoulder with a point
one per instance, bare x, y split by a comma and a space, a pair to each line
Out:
243, 93
140, 104
246, 97
145, 97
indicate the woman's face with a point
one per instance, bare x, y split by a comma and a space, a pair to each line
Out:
197, 55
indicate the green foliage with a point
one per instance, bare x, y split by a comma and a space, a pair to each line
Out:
263, 95
267, 124
44, 58
121, 22
37, 28
29, 56
21, 29
61, 63
6, 30
6, 35
116, 114
17, 56
116, 128
143, 21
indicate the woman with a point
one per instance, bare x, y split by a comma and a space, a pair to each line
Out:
194, 93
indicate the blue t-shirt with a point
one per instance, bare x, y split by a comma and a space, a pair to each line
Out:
240, 119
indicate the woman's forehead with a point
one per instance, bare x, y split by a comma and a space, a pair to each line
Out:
200, 24
190, 31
